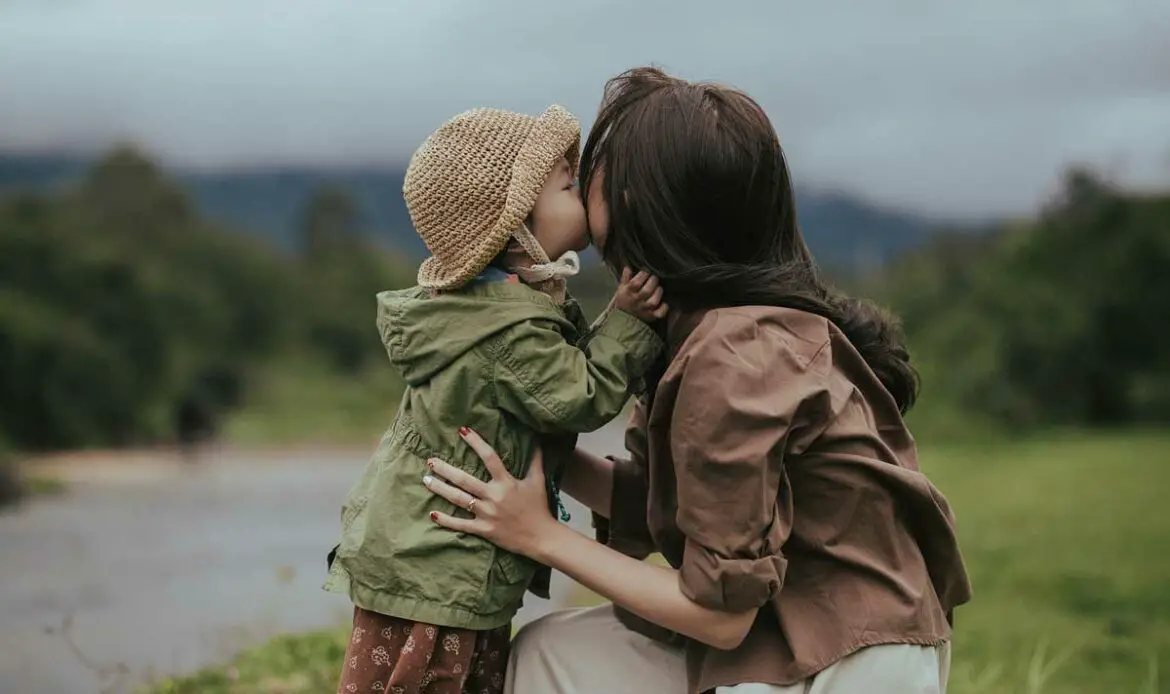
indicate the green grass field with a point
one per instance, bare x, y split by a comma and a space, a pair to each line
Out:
1068, 542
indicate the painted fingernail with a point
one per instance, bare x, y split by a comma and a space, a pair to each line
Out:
427, 479
434, 515
464, 431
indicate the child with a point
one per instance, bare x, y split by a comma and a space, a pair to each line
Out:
488, 339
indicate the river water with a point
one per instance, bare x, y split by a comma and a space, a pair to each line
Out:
161, 567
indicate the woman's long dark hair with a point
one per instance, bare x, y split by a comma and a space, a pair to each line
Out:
699, 194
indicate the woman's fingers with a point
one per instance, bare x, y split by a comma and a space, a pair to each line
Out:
472, 485
487, 454
648, 288
464, 525
661, 311
456, 496
536, 467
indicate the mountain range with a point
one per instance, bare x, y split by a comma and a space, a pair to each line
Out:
844, 231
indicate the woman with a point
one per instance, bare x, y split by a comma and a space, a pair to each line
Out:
769, 465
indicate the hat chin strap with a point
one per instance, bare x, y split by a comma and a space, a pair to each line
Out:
546, 275
567, 265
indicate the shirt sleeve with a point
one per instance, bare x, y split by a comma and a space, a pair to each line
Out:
626, 529
743, 396
553, 386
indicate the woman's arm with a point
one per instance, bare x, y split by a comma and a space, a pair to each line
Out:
588, 478
649, 591
512, 513
615, 490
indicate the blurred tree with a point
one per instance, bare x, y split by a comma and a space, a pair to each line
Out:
125, 317
342, 274
11, 487
330, 225
127, 193
1057, 321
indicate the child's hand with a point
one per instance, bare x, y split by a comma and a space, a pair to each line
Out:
640, 296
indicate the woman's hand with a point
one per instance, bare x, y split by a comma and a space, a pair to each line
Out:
512, 513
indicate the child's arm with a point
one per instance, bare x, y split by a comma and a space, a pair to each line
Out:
553, 386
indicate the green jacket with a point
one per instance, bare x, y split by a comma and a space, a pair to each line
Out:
503, 359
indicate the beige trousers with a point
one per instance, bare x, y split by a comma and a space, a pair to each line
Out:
591, 652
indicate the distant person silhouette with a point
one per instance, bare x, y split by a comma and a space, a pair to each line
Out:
194, 426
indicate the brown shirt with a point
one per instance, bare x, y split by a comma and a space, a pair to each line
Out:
773, 470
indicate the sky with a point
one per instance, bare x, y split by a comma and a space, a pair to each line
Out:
957, 108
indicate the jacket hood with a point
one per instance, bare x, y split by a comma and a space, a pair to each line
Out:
425, 333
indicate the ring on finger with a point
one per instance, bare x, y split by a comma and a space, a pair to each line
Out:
471, 505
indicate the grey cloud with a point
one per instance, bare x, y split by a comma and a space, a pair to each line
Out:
953, 108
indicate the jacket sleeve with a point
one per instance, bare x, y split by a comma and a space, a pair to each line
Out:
553, 386
743, 396
626, 530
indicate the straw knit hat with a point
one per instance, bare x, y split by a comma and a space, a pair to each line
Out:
472, 183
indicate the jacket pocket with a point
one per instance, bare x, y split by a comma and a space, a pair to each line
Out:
351, 509
509, 578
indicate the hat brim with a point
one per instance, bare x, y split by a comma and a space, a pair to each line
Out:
554, 135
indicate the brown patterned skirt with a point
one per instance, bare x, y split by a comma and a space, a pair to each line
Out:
387, 655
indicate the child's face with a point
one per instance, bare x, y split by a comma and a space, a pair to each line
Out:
558, 219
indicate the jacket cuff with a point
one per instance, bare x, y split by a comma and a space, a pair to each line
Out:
641, 342
729, 585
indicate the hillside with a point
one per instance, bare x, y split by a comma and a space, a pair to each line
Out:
843, 231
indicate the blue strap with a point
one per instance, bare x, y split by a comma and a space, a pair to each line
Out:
556, 493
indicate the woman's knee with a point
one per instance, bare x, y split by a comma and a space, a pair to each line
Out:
547, 633
590, 650
546, 654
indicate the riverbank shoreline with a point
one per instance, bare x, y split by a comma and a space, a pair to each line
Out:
85, 464
165, 567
